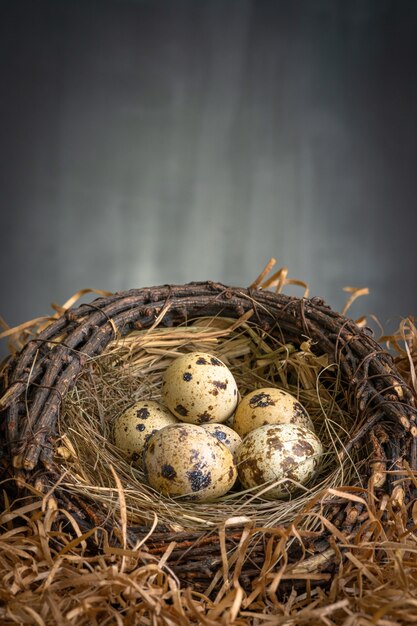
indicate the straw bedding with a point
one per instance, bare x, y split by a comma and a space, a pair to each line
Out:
86, 540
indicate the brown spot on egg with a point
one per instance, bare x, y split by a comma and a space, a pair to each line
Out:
288, 463
143, 413
203, 418
194, 455
198, 479
201, 361
167, 471
261, 400
299, 410
302, 448
290, 474
250, 465
219, 384
275, 442
187, 376
183, 434
301, 431
215, 361
181, 410
140, 427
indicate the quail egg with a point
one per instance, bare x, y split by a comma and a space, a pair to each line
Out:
132, 429
226, 435
199, 388
281, 452
269, 406
186, 460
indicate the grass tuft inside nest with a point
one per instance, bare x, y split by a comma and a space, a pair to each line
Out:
131, 369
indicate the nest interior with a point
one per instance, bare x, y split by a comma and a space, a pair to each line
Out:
62, 391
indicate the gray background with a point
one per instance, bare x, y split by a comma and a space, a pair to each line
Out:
168, 141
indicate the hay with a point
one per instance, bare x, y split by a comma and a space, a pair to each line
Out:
403, 344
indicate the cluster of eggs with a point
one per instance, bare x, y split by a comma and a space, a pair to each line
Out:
186, 448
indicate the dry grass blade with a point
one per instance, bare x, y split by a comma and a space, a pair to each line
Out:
403, 344
355, 292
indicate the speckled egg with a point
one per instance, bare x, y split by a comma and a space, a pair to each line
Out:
225, 434
269, 406
132, 429
281, 452
199, 388
186, 460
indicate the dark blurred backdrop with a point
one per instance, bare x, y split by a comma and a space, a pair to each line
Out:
148, 142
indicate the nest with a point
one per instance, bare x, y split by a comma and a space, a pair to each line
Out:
63, 390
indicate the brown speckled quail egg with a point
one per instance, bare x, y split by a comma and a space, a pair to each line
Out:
186, 460
225, 434
280, 452
199, 388
269, 406
132, 429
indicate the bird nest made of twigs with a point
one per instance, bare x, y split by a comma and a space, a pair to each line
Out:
63, 390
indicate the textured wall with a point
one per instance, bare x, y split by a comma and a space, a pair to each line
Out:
166, 141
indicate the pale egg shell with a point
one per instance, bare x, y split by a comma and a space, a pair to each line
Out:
269, 406
132, 429
276, 453
186, 460
225, 434
199, 388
